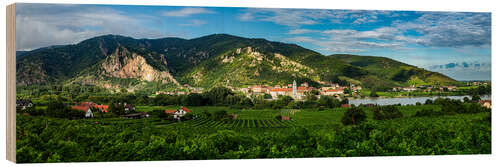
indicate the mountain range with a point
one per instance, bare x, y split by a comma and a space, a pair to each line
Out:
114, 61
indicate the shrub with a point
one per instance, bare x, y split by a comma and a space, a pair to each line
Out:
386, 112
428, 101
353, 116
472, 108
428, 112
187, 116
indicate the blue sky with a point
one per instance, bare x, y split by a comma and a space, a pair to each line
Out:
457, 44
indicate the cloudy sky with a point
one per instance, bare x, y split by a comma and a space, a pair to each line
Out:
457, 44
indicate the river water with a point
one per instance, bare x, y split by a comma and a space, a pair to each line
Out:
405, 100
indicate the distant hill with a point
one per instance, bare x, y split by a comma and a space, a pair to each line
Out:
395, 71
114, 61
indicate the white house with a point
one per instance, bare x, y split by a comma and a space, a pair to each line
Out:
332, 92
89, 114
179, 112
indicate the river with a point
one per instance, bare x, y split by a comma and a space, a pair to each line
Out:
405, 100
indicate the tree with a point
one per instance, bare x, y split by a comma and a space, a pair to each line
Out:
476, 98
117, 108
373, 93
326, 101
195, 99
56, 108
344, 101
315, 92
218, 95
246, 102
187, 116
467, 100
347, 91
282, 101
428, 101
353, 116
386, 112
311, 97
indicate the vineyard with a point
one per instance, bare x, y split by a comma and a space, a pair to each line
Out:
200, 122
251, 134
246, 119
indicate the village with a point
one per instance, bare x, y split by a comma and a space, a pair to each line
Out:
297, 92
293, 90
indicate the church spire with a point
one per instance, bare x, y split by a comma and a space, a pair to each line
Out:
294, 92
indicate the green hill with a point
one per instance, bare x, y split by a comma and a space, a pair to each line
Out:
398, 72
114, 61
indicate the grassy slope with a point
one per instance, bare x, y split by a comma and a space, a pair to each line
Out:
398, 72
60, 63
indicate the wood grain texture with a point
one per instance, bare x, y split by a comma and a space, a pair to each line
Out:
11, 82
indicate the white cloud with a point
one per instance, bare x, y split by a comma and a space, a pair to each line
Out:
301, 39
246, 16
348, 40
194, 22
456, 30
186, 12
437, 29
302, 31
442, 29
44, 25
298, 17
288, 17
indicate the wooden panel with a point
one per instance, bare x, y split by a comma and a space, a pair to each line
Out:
11, 82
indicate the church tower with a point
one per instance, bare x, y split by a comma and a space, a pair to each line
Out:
294, 90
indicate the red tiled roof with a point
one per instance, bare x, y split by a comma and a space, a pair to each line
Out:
170, 111
281, 89
186, 109
80, 108
84, 106
102, 107
345, 105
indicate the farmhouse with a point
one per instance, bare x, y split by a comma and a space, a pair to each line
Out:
275, 92
259, 89
87, 108
332, 92
24, 103
485, 103
126, 107
410, 89
179, 112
